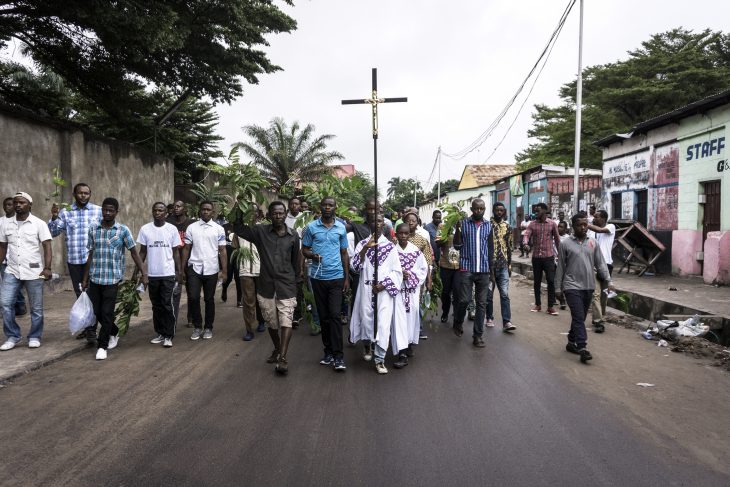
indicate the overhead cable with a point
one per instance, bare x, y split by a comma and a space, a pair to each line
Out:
488, 132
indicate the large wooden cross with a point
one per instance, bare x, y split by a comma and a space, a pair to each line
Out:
374, 101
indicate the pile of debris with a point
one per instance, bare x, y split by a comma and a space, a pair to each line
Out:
703, 349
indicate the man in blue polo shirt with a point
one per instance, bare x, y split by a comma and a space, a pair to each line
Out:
325, 242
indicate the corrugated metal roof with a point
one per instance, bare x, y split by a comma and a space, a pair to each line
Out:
486, 174
699, 106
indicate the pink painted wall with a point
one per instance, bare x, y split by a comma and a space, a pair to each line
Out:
717, 258
685, 244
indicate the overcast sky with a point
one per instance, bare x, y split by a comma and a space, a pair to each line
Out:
458, 62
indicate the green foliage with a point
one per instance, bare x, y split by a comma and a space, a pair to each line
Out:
669, 70
446, 187
58, 183
127, 304
622, 302
348, 192
451, 214
203, 192
400, 193
242, 255
306, 307
288, 156
108, 50
241, 185
437, 288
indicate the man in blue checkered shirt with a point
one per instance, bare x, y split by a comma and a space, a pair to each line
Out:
104, 270
75, 223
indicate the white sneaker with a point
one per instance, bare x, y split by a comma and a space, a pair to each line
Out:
380, 368
34, 343
167, 343
8, 345
157, 339
113, 341
101, 354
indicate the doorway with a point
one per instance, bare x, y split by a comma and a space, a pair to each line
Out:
711, 216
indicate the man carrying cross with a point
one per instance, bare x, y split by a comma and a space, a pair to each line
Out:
370, 292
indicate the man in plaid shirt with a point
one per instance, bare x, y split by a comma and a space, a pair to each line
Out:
75, 223
105, 268
543, 235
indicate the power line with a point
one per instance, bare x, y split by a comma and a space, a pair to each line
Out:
488, 132
524, 102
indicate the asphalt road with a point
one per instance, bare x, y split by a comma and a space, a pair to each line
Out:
214, 413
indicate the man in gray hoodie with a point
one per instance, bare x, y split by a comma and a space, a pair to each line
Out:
578, 256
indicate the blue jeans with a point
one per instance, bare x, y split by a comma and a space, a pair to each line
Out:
480, 282
379, 353
501, 277
21, 297
34, 288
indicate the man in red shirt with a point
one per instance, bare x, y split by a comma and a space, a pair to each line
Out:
542, 237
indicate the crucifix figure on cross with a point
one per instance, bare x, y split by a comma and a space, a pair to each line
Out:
374, 101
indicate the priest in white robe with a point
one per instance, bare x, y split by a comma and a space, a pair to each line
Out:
387, 287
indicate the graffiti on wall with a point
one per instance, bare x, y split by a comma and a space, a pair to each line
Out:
560, 190
628, 172
664, 195
627, 205
665, 201
665, 164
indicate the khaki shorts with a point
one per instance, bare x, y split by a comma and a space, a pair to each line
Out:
277, 312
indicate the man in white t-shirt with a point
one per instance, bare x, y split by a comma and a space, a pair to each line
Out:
205, 254
604, 233
26, 241
161, 248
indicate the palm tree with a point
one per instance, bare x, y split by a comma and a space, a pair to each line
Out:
393, 186
288, 155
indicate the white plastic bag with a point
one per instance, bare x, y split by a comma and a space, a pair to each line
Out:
82, 314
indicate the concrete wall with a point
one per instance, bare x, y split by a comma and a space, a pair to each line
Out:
702, 148
716, 268
32, 147
703, 157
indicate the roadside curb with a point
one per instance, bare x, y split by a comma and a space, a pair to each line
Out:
56, 357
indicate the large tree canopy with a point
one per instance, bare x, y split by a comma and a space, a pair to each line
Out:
107, 51
668, 71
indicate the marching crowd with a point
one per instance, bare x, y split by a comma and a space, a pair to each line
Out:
377, 272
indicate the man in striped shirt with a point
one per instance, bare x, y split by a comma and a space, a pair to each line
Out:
542, 237
472, 239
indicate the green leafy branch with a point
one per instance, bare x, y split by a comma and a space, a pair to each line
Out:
452, 214
58, 183
127, 304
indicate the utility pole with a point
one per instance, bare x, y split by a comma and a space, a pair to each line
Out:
438, 191
578, 110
